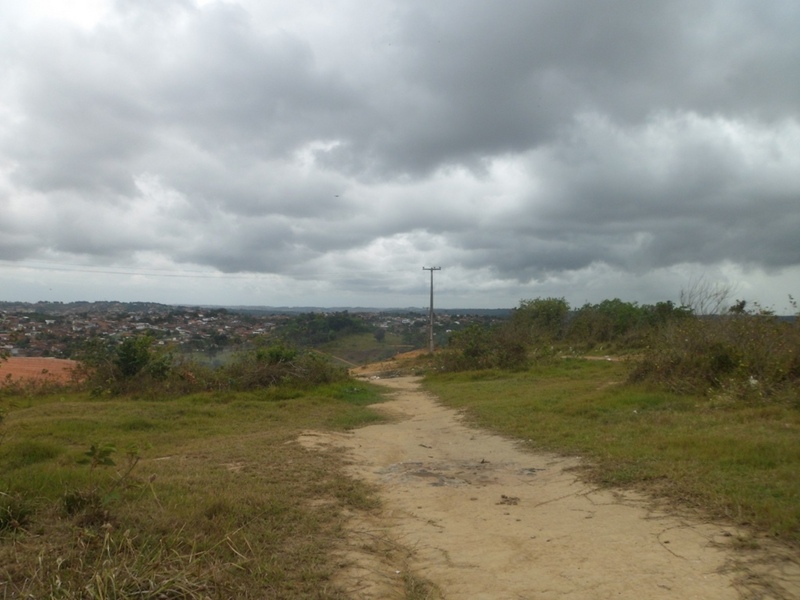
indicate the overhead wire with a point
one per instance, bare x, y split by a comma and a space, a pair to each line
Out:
152, 272
128, 271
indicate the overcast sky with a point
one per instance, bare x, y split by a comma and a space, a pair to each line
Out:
320, 153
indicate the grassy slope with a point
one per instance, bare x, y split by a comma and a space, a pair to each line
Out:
732, 460
223, 503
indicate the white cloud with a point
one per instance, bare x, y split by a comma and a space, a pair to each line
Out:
84, 13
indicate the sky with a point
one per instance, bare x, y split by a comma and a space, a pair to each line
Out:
321, 153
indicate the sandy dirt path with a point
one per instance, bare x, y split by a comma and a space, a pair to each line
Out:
479, 518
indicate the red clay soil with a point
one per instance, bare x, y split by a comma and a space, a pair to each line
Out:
53, 369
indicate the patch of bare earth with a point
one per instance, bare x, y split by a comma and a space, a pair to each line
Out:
404, 363
467, 514
54, 369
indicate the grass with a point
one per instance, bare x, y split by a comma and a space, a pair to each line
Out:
211, 497
729, 458
220, 501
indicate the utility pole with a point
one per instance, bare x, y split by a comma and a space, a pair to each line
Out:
430, 325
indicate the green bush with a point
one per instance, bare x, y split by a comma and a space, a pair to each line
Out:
269, 366
620, 325
134, 365
276, 365
132, 356
477, 347
747, 356
138, 366
275, 354
541, 320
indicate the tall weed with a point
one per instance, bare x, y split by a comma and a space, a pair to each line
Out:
137, 367
745, 356
541, 330
478, 347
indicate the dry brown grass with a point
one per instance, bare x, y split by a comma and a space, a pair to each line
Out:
403, 363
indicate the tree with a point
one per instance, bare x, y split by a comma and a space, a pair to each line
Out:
704, 297
133, 355
541, 319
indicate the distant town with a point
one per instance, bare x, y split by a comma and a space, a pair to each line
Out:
61, 330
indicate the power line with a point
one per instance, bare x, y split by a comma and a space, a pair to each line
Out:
151, 272
118, 271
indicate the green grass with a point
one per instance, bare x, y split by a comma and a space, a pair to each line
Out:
221, 501
29, 452
728, 458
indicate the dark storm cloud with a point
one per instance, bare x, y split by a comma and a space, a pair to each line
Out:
480, 79
639, 200
704, 195
111, 99
524, 139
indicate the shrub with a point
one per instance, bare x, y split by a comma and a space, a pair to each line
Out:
271, 366
137, 366
133, 365
29, 386
478, 347
132, 356
541, 320
620, 324
470, 348
753, 356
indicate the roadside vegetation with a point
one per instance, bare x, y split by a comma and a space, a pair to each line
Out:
153, 478
154, 475
751, 355
701, 408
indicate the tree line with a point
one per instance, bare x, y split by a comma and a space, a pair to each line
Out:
745, 353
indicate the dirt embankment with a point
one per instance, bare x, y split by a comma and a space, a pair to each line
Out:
52, 369
479, 518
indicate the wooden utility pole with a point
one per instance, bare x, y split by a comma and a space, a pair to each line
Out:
430, 325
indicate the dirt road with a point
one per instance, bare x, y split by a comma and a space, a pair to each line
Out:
481, 519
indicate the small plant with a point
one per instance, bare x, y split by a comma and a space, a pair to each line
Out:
15, 511
92, 503
87, 504
99, 456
